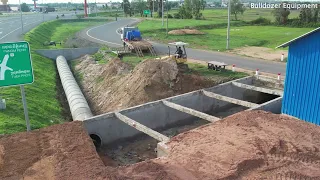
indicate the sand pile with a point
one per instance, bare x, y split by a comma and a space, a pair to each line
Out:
247, 145
186, 31
114, 86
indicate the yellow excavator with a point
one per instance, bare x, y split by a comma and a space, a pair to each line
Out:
180, 55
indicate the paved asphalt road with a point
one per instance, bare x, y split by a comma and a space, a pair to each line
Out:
10, 27
106, 34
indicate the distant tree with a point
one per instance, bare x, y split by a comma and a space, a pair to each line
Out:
25, 7
203, 4
159, 2
139, 6
316, 13
281, 15
126, 7
309, 15
236, 8
196, 6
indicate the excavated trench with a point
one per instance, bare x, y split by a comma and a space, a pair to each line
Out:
121, 142
142, 147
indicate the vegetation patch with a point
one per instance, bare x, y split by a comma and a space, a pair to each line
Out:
241, 33
44, 96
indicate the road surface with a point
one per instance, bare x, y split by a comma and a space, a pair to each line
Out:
107, 34
10, 27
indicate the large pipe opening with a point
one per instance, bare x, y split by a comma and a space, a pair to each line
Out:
96, 140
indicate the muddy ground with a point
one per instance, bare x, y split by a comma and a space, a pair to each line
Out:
247, 145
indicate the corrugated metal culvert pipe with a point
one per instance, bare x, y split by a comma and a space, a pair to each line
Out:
79, 107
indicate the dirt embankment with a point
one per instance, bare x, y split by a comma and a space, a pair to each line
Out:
116, 85
247, 145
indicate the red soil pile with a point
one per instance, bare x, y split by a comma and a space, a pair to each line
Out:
62, 151
247, 145
114, 86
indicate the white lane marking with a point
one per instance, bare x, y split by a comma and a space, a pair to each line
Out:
17, 29
104, 40
0, 32
117, 31
101, 39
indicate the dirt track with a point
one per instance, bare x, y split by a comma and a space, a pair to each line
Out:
247, 145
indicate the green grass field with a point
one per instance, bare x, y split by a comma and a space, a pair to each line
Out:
215, 37
248, 15
42, 96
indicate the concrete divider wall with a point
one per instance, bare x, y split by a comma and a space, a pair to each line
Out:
273, 106
156, 115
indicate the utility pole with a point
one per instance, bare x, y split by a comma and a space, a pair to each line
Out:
167, 17
42, 12
153, 8
162, 13
21, 17
228, 30
96, 8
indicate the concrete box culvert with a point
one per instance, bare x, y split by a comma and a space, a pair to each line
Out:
155, 115
79, 107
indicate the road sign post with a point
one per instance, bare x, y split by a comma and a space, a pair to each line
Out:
16, 69
25, 107
146, 12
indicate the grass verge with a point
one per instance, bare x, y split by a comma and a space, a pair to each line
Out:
44, 96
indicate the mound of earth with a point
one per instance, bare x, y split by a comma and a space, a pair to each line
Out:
247, 145
116, 85
186, 31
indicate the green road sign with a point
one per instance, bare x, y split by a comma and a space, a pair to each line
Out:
15, 64
146, 12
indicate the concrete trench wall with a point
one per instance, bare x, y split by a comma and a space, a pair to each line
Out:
273, 106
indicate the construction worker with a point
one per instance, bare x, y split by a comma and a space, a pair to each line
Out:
179, 52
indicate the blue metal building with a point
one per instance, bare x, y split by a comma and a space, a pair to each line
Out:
301, 97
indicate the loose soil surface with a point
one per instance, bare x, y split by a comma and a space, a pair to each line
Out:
247, 145
185, 32
261, 53
116, 85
